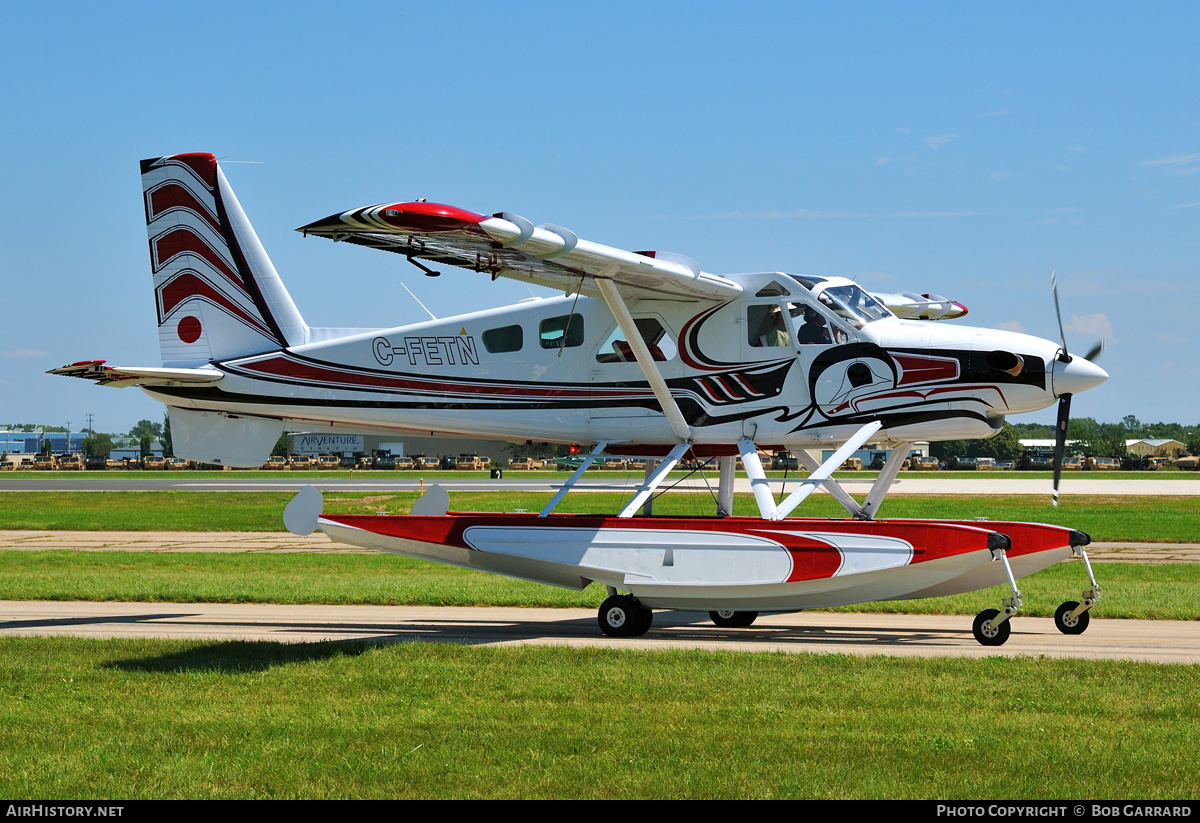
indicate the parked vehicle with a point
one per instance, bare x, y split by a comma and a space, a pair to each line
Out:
300, 462
179, 464
852, 464
404, 463
467, 462
71, 462
328, 461
524, 463
786, 461
1101, 464
154, 461
45, 462
276, 462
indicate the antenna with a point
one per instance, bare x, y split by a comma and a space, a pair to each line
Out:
419, 303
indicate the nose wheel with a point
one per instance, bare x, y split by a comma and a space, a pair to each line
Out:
989, 630
991, 626
623, 616
1072, 618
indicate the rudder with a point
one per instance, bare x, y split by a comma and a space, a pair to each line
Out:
216, 291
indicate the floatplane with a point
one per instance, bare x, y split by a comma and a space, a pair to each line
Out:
644, 354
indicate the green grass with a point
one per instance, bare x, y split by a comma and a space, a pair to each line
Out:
1105, 518
127, 719
1129, 590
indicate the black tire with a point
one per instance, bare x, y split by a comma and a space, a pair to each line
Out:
727, 619
1068, 625
622, 616
987, 633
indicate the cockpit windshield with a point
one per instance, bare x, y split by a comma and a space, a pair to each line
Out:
844, 298
853, 303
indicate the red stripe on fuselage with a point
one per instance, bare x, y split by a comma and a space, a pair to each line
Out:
286, 367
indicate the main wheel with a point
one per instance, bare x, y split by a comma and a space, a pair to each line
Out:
989, 633
729, 619
1071, 625
622, 616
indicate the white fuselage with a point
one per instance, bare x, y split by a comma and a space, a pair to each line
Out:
559, 370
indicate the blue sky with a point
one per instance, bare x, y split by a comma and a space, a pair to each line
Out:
964, 149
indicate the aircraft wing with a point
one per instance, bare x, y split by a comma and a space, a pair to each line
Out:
122, 376
507, 245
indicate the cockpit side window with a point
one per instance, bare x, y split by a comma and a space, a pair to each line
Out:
812, 327
616, 348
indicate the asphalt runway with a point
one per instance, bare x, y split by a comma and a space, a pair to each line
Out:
1155, 641
617, 482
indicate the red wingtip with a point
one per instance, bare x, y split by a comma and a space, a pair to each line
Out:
429, 217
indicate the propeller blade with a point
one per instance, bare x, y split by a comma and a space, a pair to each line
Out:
1062, 335
1095, 351
1060, 441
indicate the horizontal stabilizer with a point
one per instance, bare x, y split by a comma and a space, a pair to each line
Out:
122, 376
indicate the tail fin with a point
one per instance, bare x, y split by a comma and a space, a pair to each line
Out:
217, 293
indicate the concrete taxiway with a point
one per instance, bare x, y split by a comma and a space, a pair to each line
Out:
1156, 641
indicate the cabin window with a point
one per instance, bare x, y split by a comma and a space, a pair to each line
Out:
503, 339
767, 326
616, 348
563, 332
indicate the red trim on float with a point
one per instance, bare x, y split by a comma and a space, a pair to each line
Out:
812, 557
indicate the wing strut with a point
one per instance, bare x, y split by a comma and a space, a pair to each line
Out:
758, 478
644, 359
574, 478
823, 473
879, 489
656, 477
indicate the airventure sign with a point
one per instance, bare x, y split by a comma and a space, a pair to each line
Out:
314, 444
